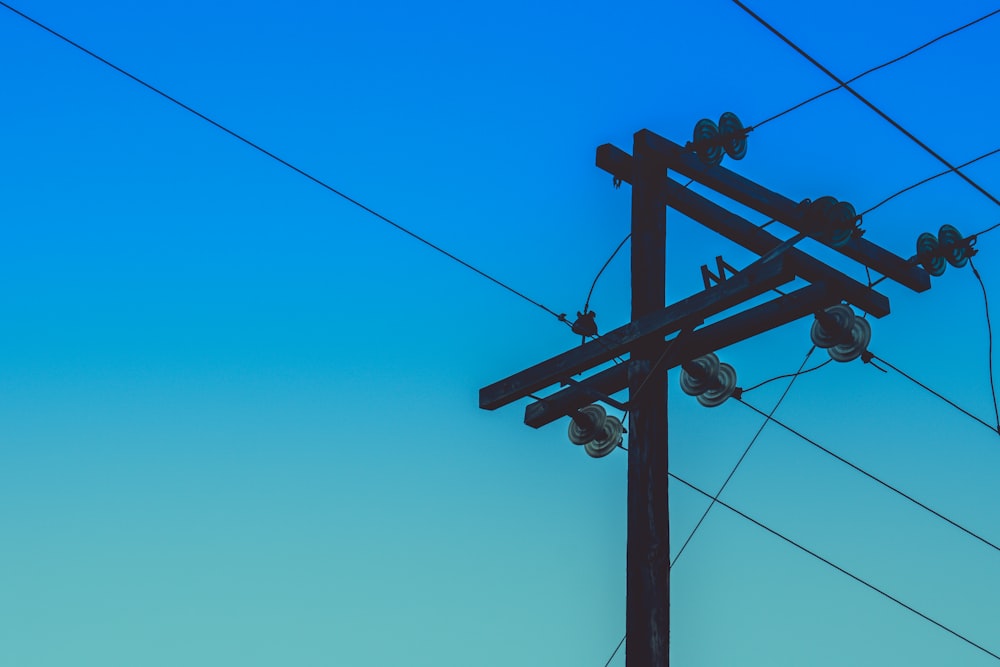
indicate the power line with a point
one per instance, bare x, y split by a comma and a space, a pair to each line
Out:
971, 238
714, 499
924, 181
987, 230
876, 68
938, 394
586, 304
928, 180
865, 101
989, 336
839, 569
787, 375
770, 418
873, 477
284, 162
615, 651
746, 451
740, 461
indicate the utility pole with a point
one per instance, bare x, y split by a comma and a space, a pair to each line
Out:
650, 355
647, 605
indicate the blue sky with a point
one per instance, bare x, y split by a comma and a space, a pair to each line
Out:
240, 420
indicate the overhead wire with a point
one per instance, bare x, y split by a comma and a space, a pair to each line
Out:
743, 456
586, 303
950, 169
843, 84
989, 337
928, 180
913, 259
787, 375
615, 652
872, 477
944, 398
839, 568
769, 417
876, 68
502, 284
732, 472
285, 163
987, 230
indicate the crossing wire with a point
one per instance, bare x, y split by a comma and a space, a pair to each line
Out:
787, 375
823, 94
866, 102
871, 476
876, 68
286, 163
820, 558
743, 456
839, 569
928, 180
950, 169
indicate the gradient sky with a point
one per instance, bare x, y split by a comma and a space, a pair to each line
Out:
240, 415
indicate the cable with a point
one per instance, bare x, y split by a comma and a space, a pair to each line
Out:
788, 375
873, 477
987, 230
971, 238
865, 101
989, 334
877, 67
615, 651
929, 179
655, 368
839, 569
746, 451
285, 163
586, 304
943, 398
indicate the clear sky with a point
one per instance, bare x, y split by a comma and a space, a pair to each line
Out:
240, 419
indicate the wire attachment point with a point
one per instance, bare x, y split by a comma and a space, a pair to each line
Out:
844, 336
585, 325
599, 433
710, 381
712, 140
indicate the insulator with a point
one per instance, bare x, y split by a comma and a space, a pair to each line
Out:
585, 324
700, 382
953, 246
706, 142
928, 253
843, 221
734, 136
833, 327
816, 214
830, 221
724, 386
861, 335
594, 417
608, 440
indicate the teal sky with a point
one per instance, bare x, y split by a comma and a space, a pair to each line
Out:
240, 419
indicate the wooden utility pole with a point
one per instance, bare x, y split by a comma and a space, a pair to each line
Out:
650, 356
647, 606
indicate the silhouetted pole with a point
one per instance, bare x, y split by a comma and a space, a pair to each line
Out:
647, 621
648, 551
